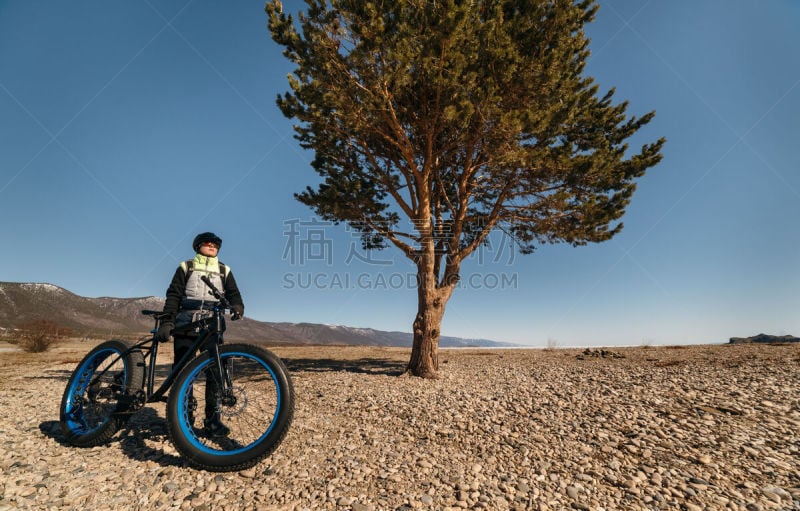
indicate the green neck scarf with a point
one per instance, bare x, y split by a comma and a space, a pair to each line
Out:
206, 264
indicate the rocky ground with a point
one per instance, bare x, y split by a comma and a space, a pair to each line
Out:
705, 427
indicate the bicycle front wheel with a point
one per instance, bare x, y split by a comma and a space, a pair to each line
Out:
249, 420
97, 397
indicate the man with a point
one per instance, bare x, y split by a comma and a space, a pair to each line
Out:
188, 300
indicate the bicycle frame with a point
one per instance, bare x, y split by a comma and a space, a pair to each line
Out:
211, 330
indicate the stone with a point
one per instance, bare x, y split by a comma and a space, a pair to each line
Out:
530, 430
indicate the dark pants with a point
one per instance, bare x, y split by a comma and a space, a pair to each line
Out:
181, 345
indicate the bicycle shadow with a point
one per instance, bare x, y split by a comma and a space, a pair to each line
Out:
385, 367
147, 427
144, 428
52, 429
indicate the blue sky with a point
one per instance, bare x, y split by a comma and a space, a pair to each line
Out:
128, 127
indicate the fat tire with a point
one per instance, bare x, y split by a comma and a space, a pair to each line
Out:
110, 414
189, 441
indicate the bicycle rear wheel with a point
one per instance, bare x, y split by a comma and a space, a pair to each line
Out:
96, 398
256, 414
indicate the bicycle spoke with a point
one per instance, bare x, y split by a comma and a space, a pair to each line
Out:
94, 394
248, 410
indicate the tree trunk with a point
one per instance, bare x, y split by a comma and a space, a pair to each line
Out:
427, 325
425, 350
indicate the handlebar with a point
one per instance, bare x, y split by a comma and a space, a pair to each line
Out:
218, 295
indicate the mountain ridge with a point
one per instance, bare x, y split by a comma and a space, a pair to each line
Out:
106, 317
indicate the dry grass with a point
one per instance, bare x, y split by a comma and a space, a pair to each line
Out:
63, 353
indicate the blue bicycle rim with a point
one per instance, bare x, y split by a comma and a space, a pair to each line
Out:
79, 386
182, 412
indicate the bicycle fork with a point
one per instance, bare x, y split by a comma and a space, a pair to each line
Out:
222, 376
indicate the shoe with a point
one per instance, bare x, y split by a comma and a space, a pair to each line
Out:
215, 428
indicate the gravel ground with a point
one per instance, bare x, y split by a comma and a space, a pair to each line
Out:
702, 427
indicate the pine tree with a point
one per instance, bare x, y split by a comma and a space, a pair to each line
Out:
456, 118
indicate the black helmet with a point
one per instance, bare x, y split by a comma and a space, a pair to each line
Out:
206, 237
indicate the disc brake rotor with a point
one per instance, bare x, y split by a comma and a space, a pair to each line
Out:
235, 404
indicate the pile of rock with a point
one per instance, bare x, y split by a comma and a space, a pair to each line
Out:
600, 353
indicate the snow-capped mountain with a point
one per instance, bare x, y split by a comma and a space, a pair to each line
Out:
107, 317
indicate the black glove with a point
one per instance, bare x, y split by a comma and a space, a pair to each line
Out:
163, 332
238, 311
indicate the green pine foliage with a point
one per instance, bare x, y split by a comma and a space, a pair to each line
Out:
435, 122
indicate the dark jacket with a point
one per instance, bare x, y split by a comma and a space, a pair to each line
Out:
177, 290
